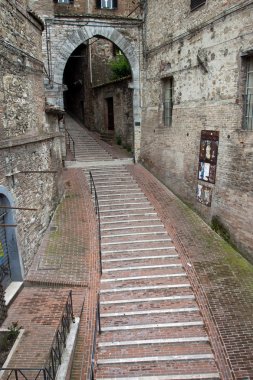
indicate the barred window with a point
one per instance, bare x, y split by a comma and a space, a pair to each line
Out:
167, 101
248, 101
197, 3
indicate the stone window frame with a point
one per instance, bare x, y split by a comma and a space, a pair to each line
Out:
195, 4
247, 90
167, 100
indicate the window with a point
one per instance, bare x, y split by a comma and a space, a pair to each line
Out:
64, 1
107, 4
248, 106
197, 3
167, 101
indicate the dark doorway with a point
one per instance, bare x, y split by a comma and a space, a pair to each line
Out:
110, 114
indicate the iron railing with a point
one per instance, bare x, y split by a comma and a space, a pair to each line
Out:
70, 143
93, 189
97, 329
60, 337
27, 374
55, 356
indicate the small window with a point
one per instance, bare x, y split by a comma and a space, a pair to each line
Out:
167, 101
248, 101
64, 1
197, 3
107, 4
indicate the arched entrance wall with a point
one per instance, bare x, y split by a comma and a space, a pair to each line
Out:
65, 39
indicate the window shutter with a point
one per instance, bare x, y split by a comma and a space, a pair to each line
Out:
115, 3
197, 3
98, 3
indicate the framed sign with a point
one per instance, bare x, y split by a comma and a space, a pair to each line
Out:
208, 153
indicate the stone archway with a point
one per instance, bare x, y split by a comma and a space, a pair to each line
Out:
69, 39
10, 262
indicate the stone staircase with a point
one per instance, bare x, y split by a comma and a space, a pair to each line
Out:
152, 328
87, 149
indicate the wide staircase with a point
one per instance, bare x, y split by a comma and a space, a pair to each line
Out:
151, 326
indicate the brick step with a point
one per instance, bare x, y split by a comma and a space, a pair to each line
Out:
139, 260
135, 254
153, 367
162, 332
129, 219
125, 205
142, 268
142, 278
149, 319
119, 196
194, 376
116, 185
125, 190
138, 292
119, 199
148, 305
112, 181
159, 349
131, 238
129, 230
133, 246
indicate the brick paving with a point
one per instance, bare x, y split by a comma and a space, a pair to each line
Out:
176, 300
220, 277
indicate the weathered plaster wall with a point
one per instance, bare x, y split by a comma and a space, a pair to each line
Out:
29, 148
201, 51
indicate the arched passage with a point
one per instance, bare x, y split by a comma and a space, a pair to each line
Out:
10, 261
71, 39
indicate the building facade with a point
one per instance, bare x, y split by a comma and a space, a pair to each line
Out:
73, 27
197, 131
30, 147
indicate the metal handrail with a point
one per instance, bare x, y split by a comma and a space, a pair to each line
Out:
70, 143
93, 187
55, 356
18, 373
97, 329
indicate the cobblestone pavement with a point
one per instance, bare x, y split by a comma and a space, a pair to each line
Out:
176, 300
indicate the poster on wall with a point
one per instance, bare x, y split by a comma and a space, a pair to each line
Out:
204, 195
208, 153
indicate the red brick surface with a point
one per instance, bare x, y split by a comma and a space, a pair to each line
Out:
220, 277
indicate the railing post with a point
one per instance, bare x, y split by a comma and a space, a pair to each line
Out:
98, 315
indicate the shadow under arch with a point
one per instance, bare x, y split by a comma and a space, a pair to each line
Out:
10, 257
76, 37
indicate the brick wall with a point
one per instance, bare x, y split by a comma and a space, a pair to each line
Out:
201, 51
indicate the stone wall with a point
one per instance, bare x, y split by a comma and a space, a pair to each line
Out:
201, 51
30, 150
3, 308
123, 110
